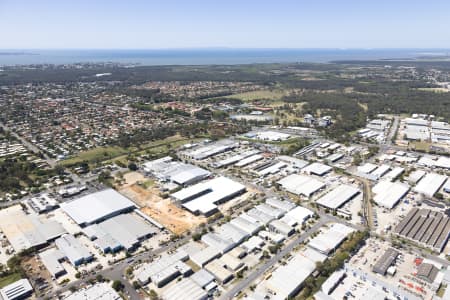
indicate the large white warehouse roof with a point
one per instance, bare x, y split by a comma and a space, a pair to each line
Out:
97, 206
204, 197
388, 193
301, 184
430, 184
338, 196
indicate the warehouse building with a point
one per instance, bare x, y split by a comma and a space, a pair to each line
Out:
280, 204
24, 231
426, 227
329, 240
124, 231
427, 272
415, 176
287, 280
430, 184
97, 207
202, 278
234, 159
229, 231
203, 197
219, 272
301, 185
72, 249
204, 256
51, 259
245, 225
316, 168
257, 216
212, 149
367, 168
338, 196
394, 173
380, 171
20, 289
270, 210
217, 242
297, 216
249, 160
388, 194
185, 289
281, 227
163, 270
385, 261
173, 171
43, 203
99, 291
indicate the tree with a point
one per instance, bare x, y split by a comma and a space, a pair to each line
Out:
132, 166
117, 285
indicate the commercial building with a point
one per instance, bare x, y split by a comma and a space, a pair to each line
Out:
97, 207
394, 173
380, 171
203, 197
219, 272
43, 203
301, 184
415, 176
165, 169
217, 242
162, 270
72, 249
20, 289
211, 149
24, 231
99, 291
430, 184
124, 231
388, 194
316, 168
281, 227
385, 261
329, 240
297, 216
367, 168
338, 196
426, 227
287, 280
427, 272
51, 259
204, 256
202, 278
186, 289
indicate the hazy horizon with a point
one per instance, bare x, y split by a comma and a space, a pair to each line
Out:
172, 24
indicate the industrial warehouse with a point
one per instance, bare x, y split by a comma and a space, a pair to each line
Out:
430, 184
25, 231
426, 227
338, 197
203, 197
102, 205
165, 169
301, 184
388, 194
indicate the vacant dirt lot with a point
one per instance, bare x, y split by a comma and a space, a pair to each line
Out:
146, 195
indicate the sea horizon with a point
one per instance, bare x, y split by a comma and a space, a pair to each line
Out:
210, 55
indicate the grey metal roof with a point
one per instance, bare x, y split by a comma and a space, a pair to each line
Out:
385, 261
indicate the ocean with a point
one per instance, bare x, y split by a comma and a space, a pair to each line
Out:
207, 56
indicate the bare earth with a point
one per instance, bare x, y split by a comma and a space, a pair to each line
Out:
162, 210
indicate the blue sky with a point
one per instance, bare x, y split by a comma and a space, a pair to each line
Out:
151, 24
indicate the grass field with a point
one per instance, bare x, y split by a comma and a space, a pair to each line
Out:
105, 154
4, 281
260, 95
420, 146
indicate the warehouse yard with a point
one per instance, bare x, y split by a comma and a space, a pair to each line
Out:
162, 210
